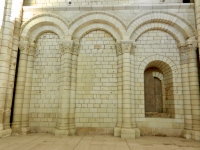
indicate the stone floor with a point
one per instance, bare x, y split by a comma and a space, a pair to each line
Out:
104, 142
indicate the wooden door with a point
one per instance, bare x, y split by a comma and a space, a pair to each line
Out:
153, 92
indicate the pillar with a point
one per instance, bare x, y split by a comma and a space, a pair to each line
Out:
194, 87
128, 126
11, 21
20, 87
65, 87
187, 133
117, 129
12, 70
76, 48
27, 91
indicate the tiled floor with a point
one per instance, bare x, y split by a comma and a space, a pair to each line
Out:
106, 142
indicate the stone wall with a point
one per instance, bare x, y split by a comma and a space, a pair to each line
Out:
99, 52
45, 84
96, 93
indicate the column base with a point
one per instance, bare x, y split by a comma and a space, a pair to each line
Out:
130, 133
25, 130
196, 135
16, 131
61, 132
72, 131
5, 133
187, 134
117, 131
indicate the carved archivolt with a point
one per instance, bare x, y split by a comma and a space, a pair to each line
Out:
97, 12
161, 12
44, 15
170, 19
188, 31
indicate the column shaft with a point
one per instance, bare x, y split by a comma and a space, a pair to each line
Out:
117, 130
194, 86
20, 87
27, 90
11, 23
126, 103
76, 47
186, 93
11, 78
65, 86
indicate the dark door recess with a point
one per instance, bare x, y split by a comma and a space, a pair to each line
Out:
153, 92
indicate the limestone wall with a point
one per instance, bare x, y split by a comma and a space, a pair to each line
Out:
45, 83
102, 52
96, 92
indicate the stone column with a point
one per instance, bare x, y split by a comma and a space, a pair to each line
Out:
12, 70
2, 10
129, 129
10, 18
65, 87
27, 91
117, 130
76, 48
187, 133
20, 87
194, 88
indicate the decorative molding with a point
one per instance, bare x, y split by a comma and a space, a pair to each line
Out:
66, 47
32, 49
24, 46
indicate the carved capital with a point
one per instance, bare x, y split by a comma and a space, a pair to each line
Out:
32, 49
125, 47
24, 46
183, 55
191, 51
128, 47
118, 48
76, 48
66, 47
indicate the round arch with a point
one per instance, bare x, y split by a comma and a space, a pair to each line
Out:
101, 18
83, 31
170, 76
39, 31
159, 26
183, 26
45, 21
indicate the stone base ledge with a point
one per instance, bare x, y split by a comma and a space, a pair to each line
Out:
61, 132
5, 133
130, 133
196, 135
94, 131
187, 134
